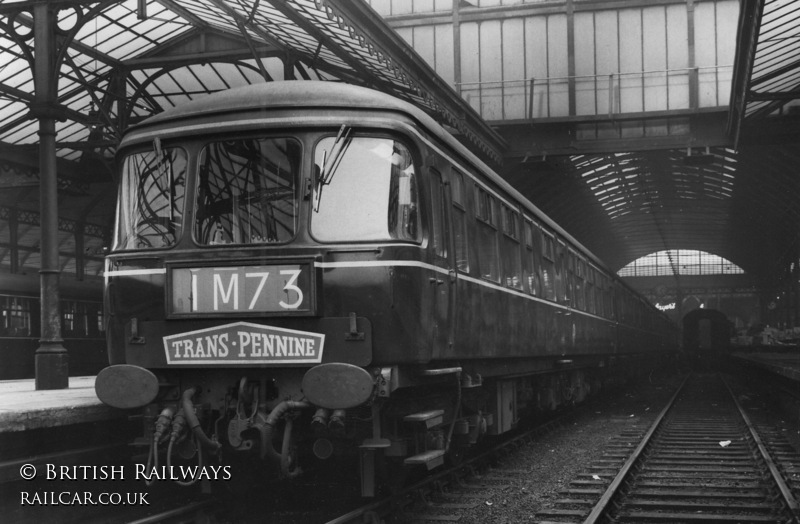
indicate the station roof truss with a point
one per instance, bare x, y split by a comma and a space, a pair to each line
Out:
123, 61
767, 69
730, 193
738, 204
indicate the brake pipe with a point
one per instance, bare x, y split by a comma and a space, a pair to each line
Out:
178, 425
268, 427
287, 437
163, 421
153, 453
194, 422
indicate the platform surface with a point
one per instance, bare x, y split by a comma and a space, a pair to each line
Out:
785, 363
23, 408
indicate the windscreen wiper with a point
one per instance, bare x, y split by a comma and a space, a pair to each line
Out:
331, 162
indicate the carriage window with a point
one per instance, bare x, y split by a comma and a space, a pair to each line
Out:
151, 198
460, 221
548, 267
69, 322
247, 191
16, 316
529, 260
608, 299
512, 269
100, 325
439, 226
562, 278
580, 286
488, 257
365, 190
600, 293
591, 296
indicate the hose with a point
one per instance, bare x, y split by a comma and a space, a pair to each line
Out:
163, 421
266, 430
178, 425
153, 453
287, 437
194, 423
199, 463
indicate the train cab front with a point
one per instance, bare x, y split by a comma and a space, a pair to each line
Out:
247, 286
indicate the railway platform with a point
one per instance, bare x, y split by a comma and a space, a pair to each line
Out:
23, 408
784, 362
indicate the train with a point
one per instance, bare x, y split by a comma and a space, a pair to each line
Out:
706, 338
308, 271
82, 325
706, 331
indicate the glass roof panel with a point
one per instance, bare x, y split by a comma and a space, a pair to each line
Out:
116, 60
624, 181
776, 63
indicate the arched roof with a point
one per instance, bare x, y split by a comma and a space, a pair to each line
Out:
123, 61
739, 204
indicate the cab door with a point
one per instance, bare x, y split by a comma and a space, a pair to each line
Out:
443, 283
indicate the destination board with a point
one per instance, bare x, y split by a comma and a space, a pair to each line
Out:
240, 290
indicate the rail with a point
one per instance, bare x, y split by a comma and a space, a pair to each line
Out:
599, 509
378, 510
786, 492
638, 461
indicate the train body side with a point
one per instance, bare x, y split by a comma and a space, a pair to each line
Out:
417, 305
82, 325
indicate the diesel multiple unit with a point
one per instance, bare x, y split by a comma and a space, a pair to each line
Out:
305, 271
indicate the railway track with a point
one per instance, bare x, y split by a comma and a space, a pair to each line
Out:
708, 456
444, 496
704, 459
463, 492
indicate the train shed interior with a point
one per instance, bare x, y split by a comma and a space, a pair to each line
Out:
661, 134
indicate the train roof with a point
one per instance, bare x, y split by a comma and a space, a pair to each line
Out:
289, 94
309, 94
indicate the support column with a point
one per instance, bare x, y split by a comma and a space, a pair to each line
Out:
573, 104
52, 371
694, 81
457, 45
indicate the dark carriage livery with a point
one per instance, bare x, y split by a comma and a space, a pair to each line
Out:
315, 267
82, 324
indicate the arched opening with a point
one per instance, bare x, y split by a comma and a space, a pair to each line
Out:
679, 262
